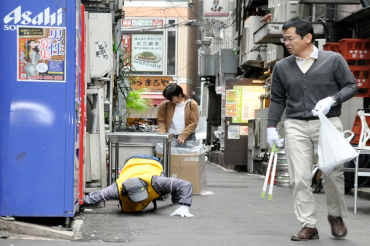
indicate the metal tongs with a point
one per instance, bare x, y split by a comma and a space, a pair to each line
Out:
273, 156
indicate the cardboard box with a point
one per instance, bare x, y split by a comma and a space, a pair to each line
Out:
189, 167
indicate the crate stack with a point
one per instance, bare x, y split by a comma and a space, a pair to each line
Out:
357, 54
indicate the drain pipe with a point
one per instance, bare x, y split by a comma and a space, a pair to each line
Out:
330, 16
365, 3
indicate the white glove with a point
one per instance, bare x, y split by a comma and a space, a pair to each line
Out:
273, 137
323, 106
182, 211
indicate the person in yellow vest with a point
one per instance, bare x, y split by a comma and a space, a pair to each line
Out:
141, 181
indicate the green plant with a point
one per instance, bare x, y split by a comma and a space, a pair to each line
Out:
123, 82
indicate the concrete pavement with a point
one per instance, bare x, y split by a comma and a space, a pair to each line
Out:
234, 215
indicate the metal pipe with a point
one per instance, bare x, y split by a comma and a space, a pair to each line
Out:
111, 100
169, 157
313, 12
330, 17
165, 157
116, 162
365, 3
110, 164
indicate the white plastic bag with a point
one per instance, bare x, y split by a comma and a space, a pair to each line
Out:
333, 150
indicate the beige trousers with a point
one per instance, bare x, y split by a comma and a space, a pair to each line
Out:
301, 142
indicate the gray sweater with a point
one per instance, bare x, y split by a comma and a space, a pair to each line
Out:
299, 93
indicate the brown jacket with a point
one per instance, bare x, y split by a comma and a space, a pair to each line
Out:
165, 115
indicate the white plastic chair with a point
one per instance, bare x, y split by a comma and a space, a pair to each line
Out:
361, 149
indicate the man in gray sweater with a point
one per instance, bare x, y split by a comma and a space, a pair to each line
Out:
305, 83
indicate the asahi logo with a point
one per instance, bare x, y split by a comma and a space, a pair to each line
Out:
44, 18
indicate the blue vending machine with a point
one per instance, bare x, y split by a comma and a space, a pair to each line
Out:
40, 105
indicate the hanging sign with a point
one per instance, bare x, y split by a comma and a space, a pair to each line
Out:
154, 84
126, 53
147, 51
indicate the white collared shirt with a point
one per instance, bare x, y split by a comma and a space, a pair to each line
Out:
305, 64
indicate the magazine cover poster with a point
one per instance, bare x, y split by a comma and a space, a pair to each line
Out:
41, 54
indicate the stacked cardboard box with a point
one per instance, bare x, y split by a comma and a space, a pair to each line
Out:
189, 167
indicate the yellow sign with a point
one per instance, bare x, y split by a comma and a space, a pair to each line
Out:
154, 84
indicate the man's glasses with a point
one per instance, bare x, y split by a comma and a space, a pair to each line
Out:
290, 39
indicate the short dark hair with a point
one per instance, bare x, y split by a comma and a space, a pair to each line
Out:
302, 26
173, 90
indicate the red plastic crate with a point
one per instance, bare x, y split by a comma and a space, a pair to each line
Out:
358, 49
363, 92
332, 47
362, 77
356, 129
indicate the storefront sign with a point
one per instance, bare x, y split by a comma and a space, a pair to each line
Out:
41, 54
141, 23
147, 51
126, 41
154, 84
247, 102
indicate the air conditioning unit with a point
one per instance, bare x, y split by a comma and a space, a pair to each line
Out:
100, 46
319, 43
283, 10
252, 24
274, 52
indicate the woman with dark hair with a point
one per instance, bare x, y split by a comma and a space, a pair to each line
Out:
32, 58
178, 115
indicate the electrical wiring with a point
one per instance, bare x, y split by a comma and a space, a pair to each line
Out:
130, 14
196, 58
162, 8
140, 6
184, 17
331, 8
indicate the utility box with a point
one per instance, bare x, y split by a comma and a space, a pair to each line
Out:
207, 65
229, 61
41, 103
100, 42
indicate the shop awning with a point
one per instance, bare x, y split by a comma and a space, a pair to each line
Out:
156, 98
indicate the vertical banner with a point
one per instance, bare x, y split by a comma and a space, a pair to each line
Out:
41, 54
147, 51
126, 44
231, 103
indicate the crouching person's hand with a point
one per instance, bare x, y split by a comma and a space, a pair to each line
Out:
182, 211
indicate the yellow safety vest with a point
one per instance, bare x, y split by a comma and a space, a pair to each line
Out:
144, 169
